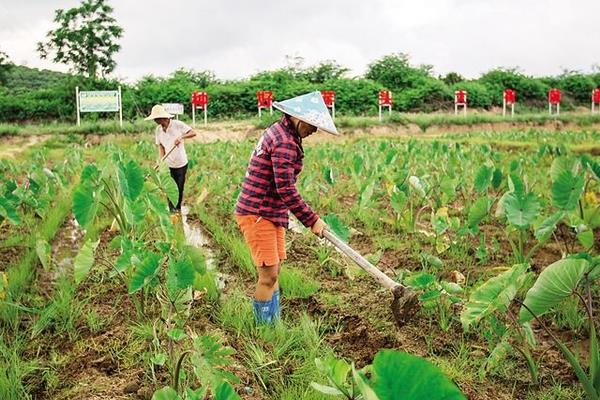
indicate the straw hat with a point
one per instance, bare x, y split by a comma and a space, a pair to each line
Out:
158, 111
309, 108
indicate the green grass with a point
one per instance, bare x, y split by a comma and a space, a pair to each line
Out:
571, 315
556, 392
295, 284
9, 130
21, 273
281, 357
96, 322
233, 244
100, 127
461, 367
424, 121
14, 371
63, 311
236, 314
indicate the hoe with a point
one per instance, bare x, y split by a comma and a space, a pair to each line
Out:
164, 157
405, 302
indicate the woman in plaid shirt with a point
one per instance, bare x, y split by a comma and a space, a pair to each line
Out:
269, 194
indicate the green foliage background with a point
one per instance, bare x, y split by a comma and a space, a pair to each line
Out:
34, 95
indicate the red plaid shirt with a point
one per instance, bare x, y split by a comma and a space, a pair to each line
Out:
269, 188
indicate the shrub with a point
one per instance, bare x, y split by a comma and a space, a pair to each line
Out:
528, 89
478, 94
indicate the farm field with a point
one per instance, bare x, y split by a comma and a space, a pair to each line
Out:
103, 295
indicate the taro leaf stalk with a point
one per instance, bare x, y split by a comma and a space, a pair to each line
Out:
493, 299
440, 296
209, 358
521, 210
174, 288
406, 197
568, 186
178, 281
555, 283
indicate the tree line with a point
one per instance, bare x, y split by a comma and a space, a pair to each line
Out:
86, 39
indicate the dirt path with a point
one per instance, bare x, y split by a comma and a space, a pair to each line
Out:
12, 146
236, 131
225, 131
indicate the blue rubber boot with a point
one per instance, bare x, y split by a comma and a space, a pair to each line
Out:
275, 312
262, 311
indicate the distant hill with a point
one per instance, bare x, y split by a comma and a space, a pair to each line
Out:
21, 78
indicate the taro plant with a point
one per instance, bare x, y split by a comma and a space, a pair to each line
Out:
33, 196
393, 375
175, 295
360, 171
575, 216
478, 212
490, 303
150, 254
208, 358
122, 190
438, 296
409, 199
442, 223
568, 277
520, 208
9, 203
153, 262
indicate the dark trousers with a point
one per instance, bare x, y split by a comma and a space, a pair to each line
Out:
178, 175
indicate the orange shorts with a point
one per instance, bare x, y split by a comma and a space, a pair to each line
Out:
265, 239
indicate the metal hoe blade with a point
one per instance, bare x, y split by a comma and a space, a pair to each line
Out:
405, 303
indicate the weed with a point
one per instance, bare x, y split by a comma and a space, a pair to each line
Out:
295, 284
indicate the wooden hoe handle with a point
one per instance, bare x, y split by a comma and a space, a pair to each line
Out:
362, 262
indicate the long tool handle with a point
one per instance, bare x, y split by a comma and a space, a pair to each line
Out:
164, 157
362, 262
167, 155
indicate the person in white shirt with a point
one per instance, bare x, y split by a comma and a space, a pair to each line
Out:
170, 134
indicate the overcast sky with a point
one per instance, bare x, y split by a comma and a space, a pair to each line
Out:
236, 38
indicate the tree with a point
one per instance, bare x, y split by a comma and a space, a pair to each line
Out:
528, 88
5, 66
395, 72
201, 79
452, 78
85, 38
325, 71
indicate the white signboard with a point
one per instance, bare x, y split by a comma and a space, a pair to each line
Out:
173, 108
99, 101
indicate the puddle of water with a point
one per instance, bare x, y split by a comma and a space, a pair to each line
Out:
194, 236
65, 247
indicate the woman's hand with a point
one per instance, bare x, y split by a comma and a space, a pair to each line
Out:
318, 227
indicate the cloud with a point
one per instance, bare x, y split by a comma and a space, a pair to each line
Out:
236, 38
